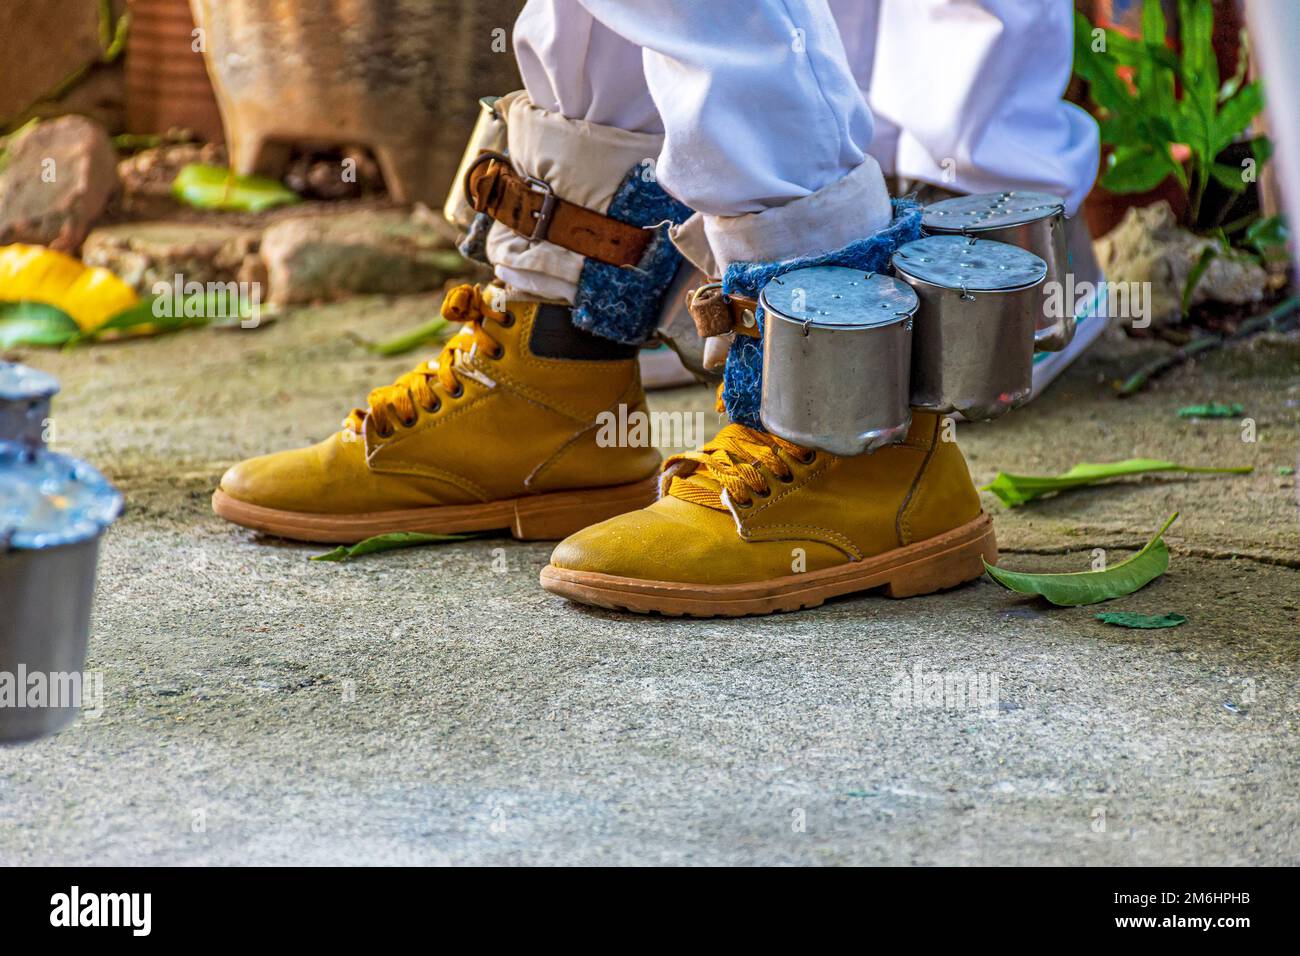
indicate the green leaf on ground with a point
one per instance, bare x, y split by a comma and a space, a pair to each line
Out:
1016, 490
386, 542
410, 341
215, 187
1212, 410
1143, 621
35, 323
1091, 587
1286, 470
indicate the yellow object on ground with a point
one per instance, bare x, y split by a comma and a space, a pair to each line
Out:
489, 435
753, 524
91, 296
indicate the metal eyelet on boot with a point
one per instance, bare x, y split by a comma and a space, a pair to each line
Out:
812, 457
460, 390
508, 321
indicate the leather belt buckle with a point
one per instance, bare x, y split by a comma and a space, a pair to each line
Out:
546, 213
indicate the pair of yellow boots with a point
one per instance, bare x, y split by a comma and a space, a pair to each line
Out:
503, 431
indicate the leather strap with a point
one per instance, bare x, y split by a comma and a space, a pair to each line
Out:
531, 208
717, 313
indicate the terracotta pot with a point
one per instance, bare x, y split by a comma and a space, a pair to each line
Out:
166, 81
402, 77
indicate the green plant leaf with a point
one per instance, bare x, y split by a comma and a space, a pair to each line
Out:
1091, 587
1236, 116
387, 542
35, 323
1208, 255
194, 311
410, 341
1268, 236
1016, 490
1143, 621
1134, 171
1155, 83
215, 187
1212, 410
1261, 148
1231, 178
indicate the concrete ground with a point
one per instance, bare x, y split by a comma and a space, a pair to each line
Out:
424, 707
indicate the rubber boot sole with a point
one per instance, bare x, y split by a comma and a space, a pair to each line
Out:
542, 517
935, 564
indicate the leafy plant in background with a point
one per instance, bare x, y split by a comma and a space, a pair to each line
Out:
1168, 115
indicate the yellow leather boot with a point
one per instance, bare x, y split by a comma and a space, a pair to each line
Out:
500, 432
753, 524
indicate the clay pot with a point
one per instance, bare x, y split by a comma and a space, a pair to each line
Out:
167, 83
401, 77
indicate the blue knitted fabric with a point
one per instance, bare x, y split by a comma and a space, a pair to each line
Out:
623, 304
742, 379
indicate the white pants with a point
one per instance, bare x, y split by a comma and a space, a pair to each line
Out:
766, 105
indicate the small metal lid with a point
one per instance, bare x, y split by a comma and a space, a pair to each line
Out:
985, 211
833, 297
48, 499
976, 265
19, 383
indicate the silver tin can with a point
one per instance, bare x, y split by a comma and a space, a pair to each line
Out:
973, 345
1030, 220
837, 345
25, 396
53, 513
489, 135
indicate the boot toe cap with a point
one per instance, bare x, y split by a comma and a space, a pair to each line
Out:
683, 543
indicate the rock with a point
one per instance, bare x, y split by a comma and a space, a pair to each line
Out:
1148, 246
389, 252
142, 253
44, 44
57, 179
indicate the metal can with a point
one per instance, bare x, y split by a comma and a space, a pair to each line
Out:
1030, 220
489, 135
53, 512
973, 345
25, 397
837, 346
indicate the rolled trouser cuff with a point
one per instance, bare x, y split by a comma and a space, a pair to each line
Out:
604, 169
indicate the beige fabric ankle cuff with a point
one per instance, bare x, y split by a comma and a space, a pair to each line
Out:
585, 164
848, 209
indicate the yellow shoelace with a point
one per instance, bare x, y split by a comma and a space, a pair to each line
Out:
402, 402
731, 462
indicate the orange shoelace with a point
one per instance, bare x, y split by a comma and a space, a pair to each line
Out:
402, 402
732, 463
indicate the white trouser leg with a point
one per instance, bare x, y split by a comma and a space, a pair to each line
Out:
974, 88
764, 128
